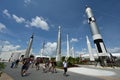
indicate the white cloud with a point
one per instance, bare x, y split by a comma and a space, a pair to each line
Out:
50, 48
74, 40
2, 27
114, 50
6, 42
7, 46
27, 25
18, 19
85, 21
6, 13
39, 22
27, 2
10, 47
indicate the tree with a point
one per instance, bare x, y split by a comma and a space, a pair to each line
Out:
32, 56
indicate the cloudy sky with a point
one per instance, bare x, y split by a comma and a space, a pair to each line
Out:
20, 18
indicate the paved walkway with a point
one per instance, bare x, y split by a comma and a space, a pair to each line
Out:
39, 75
5, 76
106, 73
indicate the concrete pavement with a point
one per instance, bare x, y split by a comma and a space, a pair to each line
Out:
32, 74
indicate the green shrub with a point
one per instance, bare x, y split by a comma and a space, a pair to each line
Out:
63, 58
2, 65
70, 64
59, 64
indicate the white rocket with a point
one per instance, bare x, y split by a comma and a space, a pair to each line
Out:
73, 52
58, 56
90, 49
1, 50
96, 34
98, 41
42, 50
29, 47
68, 47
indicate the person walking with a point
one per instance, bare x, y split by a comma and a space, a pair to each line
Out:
54, 67
13, 64
65, 67
37, 64
25, 67
16, 63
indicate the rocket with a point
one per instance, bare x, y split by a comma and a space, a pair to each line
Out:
42, 50
98, 41
73, 52
58, 49
90, 49
29, 46
1, 50
68, 47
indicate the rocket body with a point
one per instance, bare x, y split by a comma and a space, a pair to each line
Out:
42, 50
58, 50
73, 52
90, 49
29, 47
98, 41
68, 47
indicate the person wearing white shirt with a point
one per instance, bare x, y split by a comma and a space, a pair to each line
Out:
65, 67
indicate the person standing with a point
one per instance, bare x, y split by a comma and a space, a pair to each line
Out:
37, 64
16, 63
65, 67
54, 67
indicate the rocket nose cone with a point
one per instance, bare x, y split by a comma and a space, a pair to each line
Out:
88, 9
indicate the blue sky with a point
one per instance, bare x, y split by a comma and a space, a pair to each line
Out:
20, 18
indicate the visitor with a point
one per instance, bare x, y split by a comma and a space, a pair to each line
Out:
54, 66
65, 67
26, 64
13, 64
16, 63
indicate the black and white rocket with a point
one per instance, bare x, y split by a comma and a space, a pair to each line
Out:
58, 50
98, 41
29, 47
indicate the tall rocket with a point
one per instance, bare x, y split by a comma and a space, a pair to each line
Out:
1, 50
42, 50
58, 56
90, 49
68, 47
29, 47
73, 52
98, 41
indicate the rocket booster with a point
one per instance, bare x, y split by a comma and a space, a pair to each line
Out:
29, 47
98, 41
90, 49
68, 47
58, 56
